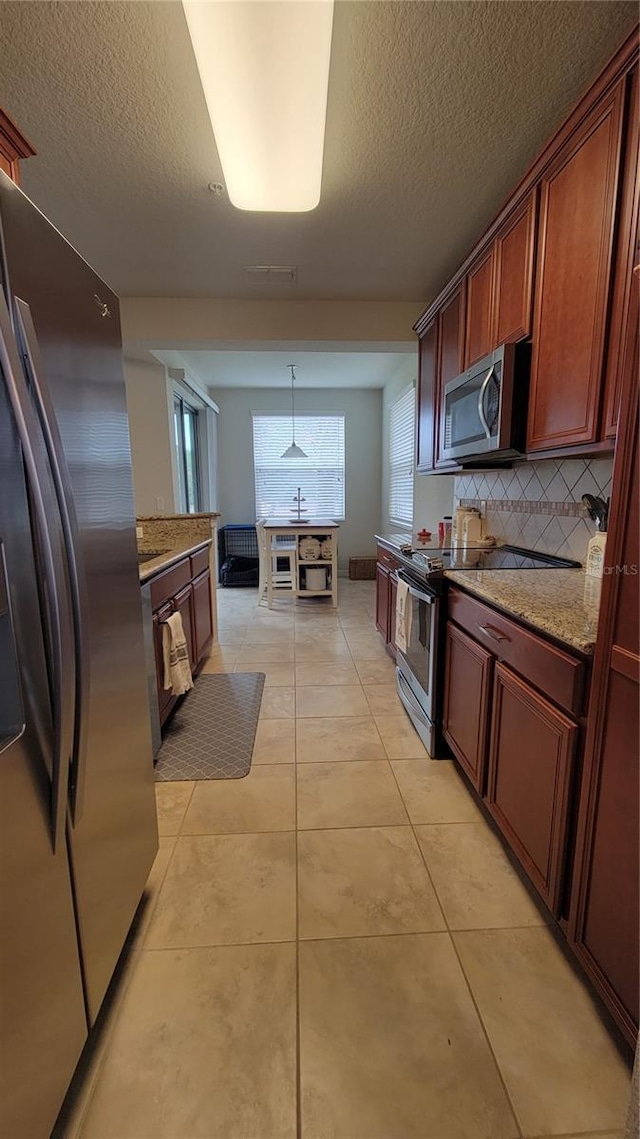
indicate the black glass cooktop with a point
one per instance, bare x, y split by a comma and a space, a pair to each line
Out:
494, 558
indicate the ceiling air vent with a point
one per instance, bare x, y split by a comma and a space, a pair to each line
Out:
270, 274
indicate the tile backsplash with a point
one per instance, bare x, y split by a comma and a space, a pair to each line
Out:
538, 505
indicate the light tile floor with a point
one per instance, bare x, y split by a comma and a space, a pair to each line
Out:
337, 946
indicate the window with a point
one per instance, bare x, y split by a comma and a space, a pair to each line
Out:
320, 476
185, 420
401, 432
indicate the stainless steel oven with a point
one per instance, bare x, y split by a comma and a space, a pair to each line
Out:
484, 409
417, 668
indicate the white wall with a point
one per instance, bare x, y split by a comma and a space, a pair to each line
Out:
432, 494
362, 409
150, 407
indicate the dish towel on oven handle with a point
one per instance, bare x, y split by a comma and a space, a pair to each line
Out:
403, 616
175, 655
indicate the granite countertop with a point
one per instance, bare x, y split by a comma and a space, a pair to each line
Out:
163, 561
177, 517
563, 603
552, 600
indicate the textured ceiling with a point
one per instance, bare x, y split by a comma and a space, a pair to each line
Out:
260, 369
435, 110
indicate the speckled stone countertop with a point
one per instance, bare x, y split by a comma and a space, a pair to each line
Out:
168, 557
560, 602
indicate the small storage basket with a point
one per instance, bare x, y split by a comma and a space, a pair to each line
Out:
362, 569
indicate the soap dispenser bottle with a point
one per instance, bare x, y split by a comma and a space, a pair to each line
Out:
595, 554
598, 511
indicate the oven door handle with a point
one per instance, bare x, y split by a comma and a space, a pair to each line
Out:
481, 395
428, 598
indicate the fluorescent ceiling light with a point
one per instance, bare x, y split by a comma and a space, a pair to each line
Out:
264, 66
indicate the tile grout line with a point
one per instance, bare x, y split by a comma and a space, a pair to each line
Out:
457, 955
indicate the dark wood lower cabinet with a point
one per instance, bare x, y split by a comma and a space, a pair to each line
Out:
183, 604
178, 590
604, 920
202, 615
531, 758
393, 589
165, 699
382, 601
386, 590
468, 669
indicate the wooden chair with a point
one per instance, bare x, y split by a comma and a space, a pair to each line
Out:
272, 580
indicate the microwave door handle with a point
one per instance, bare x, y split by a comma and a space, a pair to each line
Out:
28, 343
481, 395
55, 583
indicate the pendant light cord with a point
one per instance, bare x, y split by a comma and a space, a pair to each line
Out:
293, 416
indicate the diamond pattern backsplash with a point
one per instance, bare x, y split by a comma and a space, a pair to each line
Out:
538, 505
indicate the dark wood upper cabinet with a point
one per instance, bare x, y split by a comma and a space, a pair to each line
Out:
451, 326
467, 692
14, 147
479, 322
554, 266
450, 359
625, 258
531, 758
513, 275
427, 397
573, 276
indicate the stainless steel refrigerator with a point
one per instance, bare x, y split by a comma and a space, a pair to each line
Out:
78, 830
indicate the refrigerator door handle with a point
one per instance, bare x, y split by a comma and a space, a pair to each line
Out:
28, 344
56, 589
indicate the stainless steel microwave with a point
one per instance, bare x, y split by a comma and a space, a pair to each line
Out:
484, 410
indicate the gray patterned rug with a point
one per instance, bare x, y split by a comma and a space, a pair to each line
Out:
212, 733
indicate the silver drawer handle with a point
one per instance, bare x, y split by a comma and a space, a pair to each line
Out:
492, 633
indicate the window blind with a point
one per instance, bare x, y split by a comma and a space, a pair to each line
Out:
401, 443
320, 476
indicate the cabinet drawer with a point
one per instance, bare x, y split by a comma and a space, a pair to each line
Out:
560, 676
167, 584
199, 562
387, 559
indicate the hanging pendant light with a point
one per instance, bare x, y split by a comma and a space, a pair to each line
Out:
294, 451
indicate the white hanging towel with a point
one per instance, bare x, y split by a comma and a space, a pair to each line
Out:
177, 670
403, 616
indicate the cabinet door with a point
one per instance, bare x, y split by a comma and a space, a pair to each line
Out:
165, 699
604, 918
479, 308
467, 690
531, 758
183, 604
513, 275
427, 397
451, 327
382, 601
624, 284
450, 359
393, 590
573, 276
202, 617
